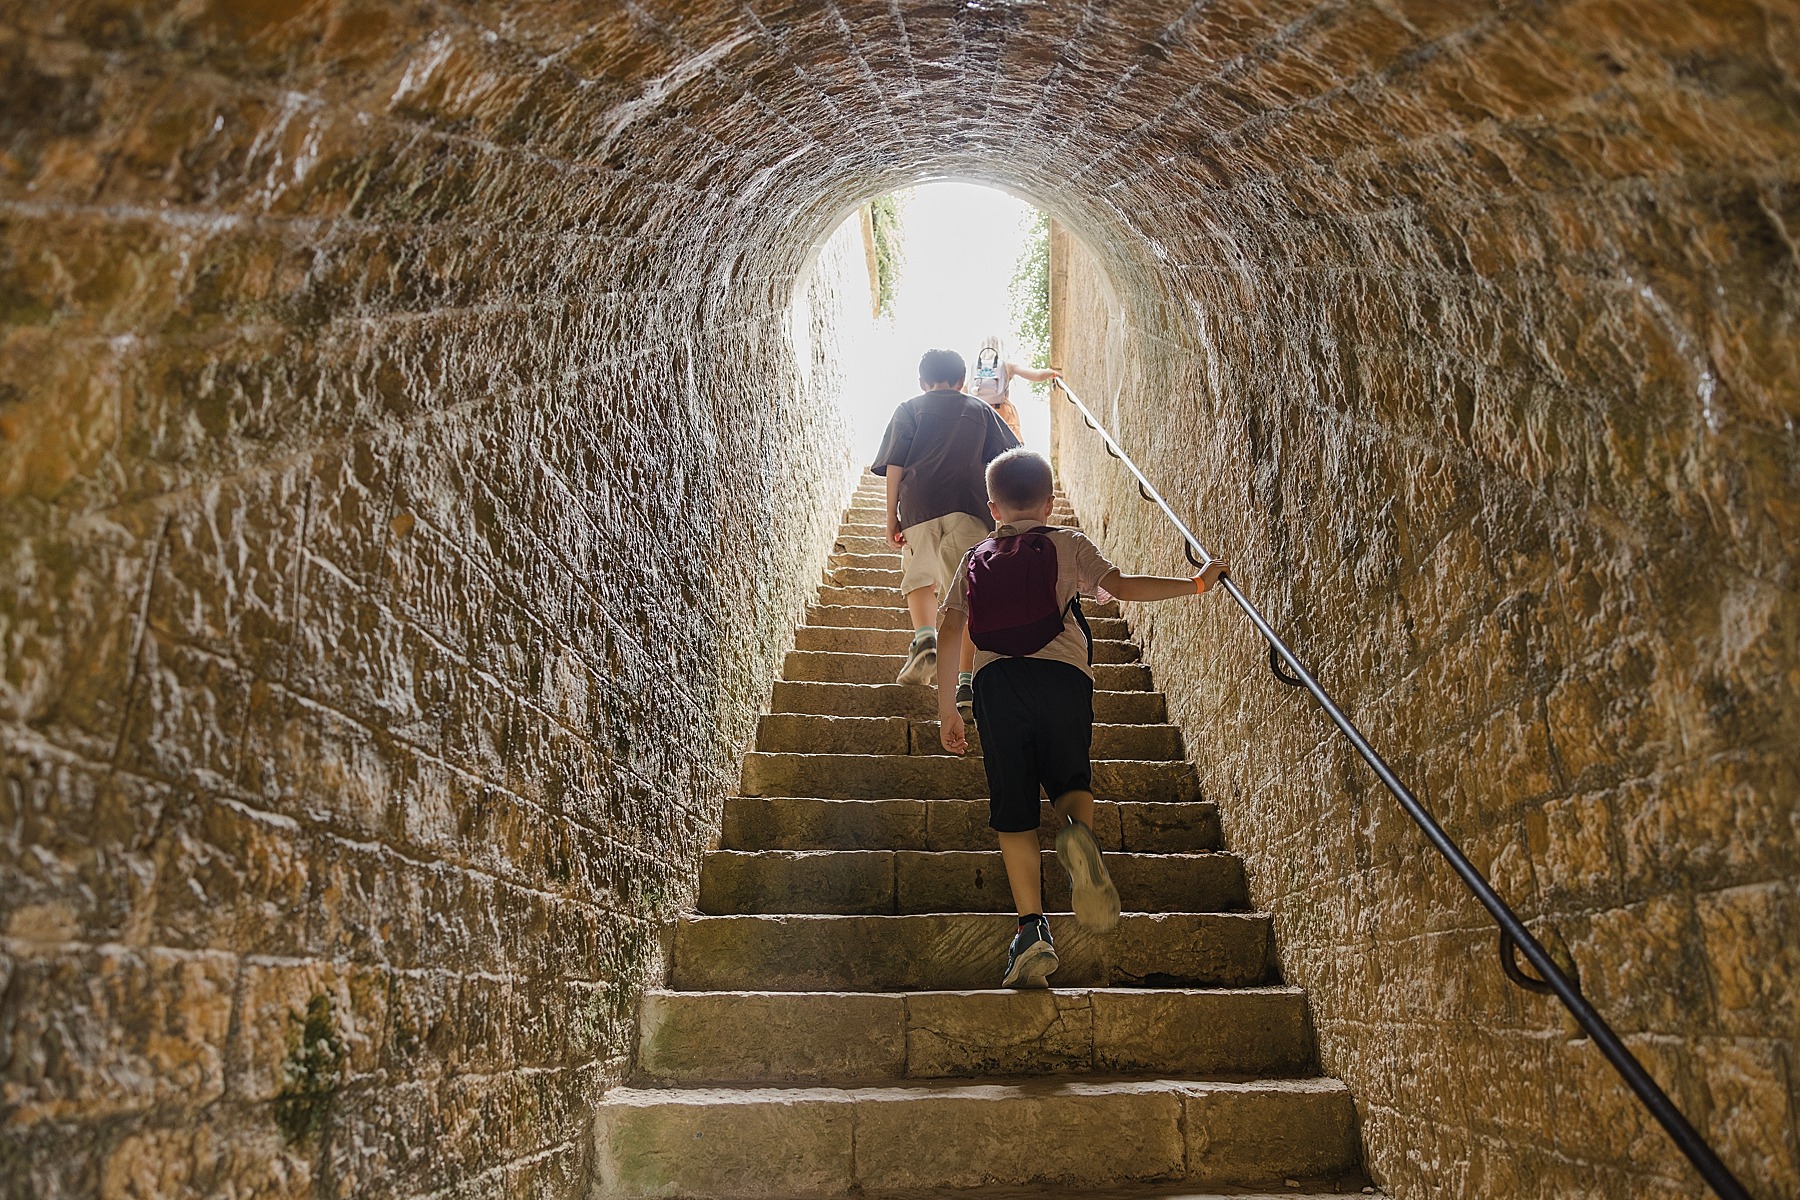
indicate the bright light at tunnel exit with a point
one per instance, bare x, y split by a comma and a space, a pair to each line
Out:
962, 241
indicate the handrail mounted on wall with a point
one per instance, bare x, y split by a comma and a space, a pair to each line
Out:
1514, 937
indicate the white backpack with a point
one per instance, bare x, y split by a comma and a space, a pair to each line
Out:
990, 375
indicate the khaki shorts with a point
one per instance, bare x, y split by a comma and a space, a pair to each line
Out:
935, 548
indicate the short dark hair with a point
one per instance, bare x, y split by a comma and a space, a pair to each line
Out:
942, 366
1020, 478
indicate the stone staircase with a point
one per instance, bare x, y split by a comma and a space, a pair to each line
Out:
832, 1024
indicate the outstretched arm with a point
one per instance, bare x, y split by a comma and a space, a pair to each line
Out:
1163, 587
1034, 374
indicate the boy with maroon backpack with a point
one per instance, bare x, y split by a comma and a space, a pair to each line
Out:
1018, 594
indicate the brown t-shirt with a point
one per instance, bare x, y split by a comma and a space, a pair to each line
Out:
945, 440
1079, 569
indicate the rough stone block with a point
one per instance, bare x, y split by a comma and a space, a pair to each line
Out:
688, 1037
919, 1139
1237, 1132
951, 951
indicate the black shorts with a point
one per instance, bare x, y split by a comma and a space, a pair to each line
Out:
1036, 719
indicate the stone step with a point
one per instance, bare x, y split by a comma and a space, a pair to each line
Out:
1159, 742
919, 702
859, 616
835, 666
874, 562
808, 733
950, 881
890, 597
894, 641
861, 597
863, 577
1111, 646
873, 545
690, 1038
812, 1141
807, 823
934, 777
852, 639
950, 951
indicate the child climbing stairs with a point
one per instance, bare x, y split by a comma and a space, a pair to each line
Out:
833, 1024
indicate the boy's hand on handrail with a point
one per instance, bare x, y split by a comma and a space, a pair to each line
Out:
1209, 578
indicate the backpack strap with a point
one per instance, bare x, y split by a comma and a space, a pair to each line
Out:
1075, 607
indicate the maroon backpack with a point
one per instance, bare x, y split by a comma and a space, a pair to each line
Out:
1012, 595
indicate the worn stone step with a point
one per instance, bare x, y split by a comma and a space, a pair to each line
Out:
807, 953
872, 545
863, 577
810, 733
810, 823
1109, 629
854, 1037
884, 553
834, 666
950, 881
890, 597
852, 639
895, 640
919, 702
815, 1141
1152, 742
861, 597
932, 777
859, 616
862, 562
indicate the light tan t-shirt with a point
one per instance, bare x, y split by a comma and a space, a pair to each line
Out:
1079, 569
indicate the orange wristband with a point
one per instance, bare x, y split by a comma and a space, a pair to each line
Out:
1200, 584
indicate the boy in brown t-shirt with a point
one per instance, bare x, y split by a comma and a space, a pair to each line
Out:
1036, 714
933, 454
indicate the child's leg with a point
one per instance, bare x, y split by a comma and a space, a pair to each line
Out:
1091, 890
1078, 806
1023, 874
921, 604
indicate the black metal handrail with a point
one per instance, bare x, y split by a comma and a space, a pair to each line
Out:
1514, 937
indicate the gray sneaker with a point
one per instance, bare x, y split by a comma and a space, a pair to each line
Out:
921, 659
1031, 957
1091, 891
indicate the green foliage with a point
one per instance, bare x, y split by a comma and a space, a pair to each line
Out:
890, 250
314, 1059
1030, 294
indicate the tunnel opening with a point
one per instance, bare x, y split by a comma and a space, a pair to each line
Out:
414, 466
950, 264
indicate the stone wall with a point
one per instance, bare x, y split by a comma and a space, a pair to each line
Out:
1511, 461
412, 460
398, 538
